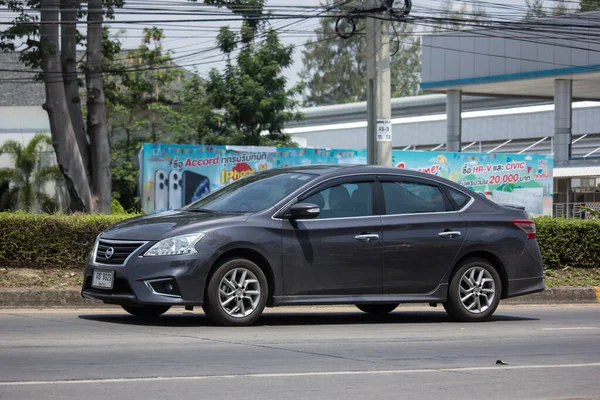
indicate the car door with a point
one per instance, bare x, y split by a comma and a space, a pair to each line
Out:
341, 251
422, 234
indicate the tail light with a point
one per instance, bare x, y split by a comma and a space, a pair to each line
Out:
526, 226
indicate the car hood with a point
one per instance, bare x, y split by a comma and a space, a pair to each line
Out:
168, 224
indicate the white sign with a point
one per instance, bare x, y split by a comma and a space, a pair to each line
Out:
384, 130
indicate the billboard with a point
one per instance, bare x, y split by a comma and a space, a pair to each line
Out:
172, 176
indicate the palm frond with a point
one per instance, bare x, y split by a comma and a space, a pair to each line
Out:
7, 175
13, 148
48, 174
34, 145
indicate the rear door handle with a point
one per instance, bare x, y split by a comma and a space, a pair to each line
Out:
367, 237
449, 234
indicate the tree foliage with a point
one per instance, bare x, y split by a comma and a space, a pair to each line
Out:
457, 19
250, 94
27, 179
52, 48
140, 95
335, 69
589, 5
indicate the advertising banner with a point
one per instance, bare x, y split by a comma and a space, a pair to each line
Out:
172, 176
520, 179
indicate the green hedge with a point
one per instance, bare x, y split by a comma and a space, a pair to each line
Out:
39, 241
569, 242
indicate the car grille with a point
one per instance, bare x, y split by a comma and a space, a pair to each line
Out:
121, 251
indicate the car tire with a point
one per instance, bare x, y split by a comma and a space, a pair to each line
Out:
236, 294
474, 292
377, 309
146, 311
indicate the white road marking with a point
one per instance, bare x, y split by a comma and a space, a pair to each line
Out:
296, 374
573, 328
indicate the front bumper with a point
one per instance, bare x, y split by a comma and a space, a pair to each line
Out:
135, 282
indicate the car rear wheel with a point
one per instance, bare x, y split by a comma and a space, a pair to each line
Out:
377, 309
474, 291
146, 311
236, 294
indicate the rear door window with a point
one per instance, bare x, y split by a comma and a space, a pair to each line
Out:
405, 197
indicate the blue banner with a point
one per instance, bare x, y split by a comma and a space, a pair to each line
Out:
172, 176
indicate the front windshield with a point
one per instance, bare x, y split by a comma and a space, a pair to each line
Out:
253, 193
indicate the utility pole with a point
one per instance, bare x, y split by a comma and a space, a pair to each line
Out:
379, 107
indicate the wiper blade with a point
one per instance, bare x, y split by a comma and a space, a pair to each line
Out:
201, 210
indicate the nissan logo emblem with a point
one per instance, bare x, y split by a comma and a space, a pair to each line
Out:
109, 253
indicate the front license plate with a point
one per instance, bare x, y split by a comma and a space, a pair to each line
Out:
103, 279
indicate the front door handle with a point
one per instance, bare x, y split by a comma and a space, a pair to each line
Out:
449, 234
367, 237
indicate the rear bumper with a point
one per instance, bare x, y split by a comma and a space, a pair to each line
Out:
520, 287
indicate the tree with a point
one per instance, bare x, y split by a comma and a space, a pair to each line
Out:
589, 5
251, 93
140, 98
335, 69
463, 18
52, 48
535, 9
96, 113
26, 178
64, 138
560, 7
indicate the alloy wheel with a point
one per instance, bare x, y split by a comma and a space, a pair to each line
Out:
477, 290
239, 292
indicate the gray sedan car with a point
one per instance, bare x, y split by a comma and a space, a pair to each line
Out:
370, 236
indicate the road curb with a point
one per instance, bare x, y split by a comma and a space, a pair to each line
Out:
42, 299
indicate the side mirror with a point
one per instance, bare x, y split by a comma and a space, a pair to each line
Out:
304, 211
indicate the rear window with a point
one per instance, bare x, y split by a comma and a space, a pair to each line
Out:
459, 198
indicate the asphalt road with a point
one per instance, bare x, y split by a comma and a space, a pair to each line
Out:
414, 353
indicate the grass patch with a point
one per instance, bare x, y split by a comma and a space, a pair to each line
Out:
572, 277
37, 279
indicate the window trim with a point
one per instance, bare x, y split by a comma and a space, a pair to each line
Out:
378, 200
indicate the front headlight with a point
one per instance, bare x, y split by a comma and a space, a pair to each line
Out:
175, 246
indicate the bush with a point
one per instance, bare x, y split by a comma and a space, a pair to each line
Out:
569, 242
116, 208
41, 240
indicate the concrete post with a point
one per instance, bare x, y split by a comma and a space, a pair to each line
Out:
379, 92
453, 120
563, 120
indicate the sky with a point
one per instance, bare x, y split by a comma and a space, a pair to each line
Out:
185, 43
192, 43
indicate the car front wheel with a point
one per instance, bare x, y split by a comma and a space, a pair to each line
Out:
474, 291
236, 294
377, 309
146, 311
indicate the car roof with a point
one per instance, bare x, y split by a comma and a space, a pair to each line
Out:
334, 170
345, 169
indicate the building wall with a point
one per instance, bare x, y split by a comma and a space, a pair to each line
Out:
469, 55
531, 122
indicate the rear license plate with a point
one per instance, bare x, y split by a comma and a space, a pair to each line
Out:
103, 279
